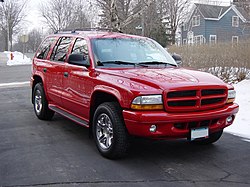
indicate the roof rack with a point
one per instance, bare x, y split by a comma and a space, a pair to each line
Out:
86, 29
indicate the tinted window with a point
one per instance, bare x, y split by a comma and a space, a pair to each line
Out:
81, 47
44, 48
61, 49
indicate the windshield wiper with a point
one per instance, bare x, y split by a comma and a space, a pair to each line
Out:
120, 63
157, 63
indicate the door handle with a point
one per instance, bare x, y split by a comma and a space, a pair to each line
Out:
66, 74
44, 70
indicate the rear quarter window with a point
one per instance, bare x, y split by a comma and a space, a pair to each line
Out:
44, 48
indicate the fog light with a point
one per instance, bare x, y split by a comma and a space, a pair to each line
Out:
153, 128
230, 119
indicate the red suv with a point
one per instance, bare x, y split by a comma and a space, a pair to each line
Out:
121, 85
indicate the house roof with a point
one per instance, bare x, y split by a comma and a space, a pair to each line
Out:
211, 11
244, 13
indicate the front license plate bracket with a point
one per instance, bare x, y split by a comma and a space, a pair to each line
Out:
197, 133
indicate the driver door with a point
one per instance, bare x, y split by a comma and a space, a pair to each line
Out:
76, 85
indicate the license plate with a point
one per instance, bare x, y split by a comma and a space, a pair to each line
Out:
199, 133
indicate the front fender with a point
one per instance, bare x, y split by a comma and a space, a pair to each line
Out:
121, 95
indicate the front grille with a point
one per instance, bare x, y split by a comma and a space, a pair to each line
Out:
188, 93
211, 101
195, 124
212, 92
194, 100
182, 103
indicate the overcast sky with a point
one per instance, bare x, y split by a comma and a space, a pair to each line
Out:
34, 19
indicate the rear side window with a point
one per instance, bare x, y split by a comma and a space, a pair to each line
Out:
61, 49
44, 48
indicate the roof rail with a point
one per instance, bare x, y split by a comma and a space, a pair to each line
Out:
64, 31
86, 29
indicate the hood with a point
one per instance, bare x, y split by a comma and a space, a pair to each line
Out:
164, 78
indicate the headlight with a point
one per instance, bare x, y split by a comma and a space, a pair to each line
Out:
231, 96
149, 102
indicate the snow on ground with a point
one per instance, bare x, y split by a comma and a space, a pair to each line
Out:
241, 125
18, 58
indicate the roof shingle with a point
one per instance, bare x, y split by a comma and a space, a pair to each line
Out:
212, 11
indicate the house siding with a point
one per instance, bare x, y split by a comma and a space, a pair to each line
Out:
197, 30
222, 28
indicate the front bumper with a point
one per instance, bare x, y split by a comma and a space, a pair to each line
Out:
138, 123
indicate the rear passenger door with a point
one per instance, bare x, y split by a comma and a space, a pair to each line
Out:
55, 71
42, 63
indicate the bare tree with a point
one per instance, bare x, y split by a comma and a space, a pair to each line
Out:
115, 12
79, 13
175, 12
35, 38
244, 4
11, 15
58, 14
64, 14
151, 16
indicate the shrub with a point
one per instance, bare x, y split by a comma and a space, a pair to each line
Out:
230, 63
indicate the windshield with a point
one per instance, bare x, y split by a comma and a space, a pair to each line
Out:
113, 52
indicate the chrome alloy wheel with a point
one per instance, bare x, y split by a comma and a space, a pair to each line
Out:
104, 131
38, 102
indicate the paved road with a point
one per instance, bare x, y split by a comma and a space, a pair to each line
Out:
58, 153
9, 74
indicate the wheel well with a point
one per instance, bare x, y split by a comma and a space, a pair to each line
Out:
97, 99
37, 79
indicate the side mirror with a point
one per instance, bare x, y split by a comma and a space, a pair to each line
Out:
177, 58
78, 59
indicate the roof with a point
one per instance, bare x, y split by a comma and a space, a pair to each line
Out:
244, 13
214, 12
211, 11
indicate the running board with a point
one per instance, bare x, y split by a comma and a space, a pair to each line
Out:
69, 116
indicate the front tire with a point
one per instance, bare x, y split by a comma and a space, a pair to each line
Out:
109, 131
40, 103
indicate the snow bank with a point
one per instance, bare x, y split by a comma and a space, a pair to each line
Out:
241, 125
18, 58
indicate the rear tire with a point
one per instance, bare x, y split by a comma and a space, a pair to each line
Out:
212, 138
40, 103
109, 131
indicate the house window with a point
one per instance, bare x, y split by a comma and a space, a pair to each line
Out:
198, 40
213, 39
235, 39
184, 42
196, 21
235, 21
185, 26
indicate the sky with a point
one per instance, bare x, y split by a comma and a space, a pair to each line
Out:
35, 20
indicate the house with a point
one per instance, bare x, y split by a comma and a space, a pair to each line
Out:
209, 24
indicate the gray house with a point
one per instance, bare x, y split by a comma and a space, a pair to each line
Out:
209, 24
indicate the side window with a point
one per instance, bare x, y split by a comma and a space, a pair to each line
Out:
81, 54
81, 47
235, 21
61, 49
44, 48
